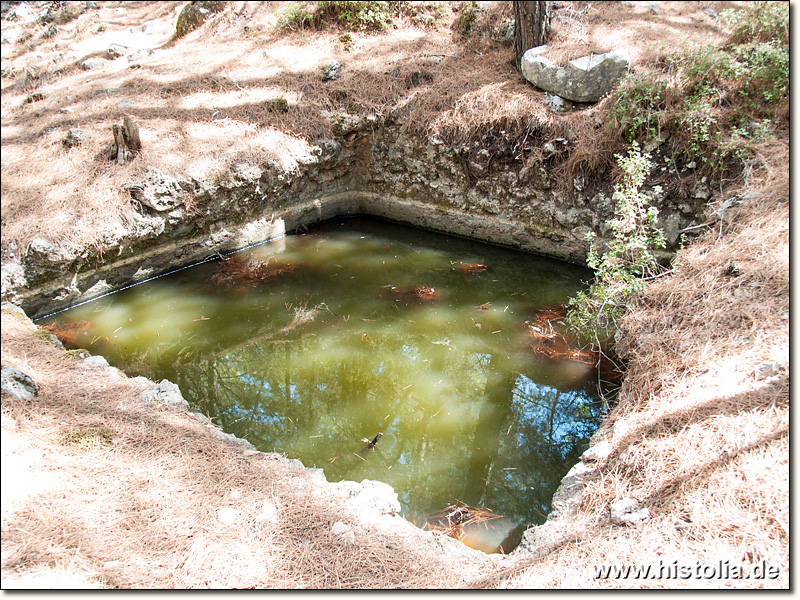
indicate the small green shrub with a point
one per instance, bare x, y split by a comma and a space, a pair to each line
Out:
87, 439
347, 41
698, 120
759, 72
626, 261
297, 16
375, 15
466, 18
708, 98
733, 146
35, 97
760, 22
637, 105
65, 17
709, 65
752, 79
427, 14
372, 15
765, 72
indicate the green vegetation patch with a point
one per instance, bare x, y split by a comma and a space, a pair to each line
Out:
763, 22
87, 439
626, 261
466, 18
713, 105
35, 97
367, 15
714, 102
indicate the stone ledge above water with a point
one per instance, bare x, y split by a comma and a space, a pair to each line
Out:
374, 171
68, 288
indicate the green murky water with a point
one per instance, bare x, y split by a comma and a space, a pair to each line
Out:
311, 344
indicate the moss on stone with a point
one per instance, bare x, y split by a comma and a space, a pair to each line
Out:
44, 334
466, 18
221, 179
195, 14
88, 438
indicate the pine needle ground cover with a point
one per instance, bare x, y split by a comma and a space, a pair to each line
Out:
100, 492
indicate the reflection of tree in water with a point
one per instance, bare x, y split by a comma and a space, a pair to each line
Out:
366, 339
526, 435
508, 434
550, 430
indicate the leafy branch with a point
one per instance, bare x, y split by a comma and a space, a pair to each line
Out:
626, 261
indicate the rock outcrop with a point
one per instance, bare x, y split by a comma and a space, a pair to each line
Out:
332, 70
74, 138
369, 167
158, 191
628, 512
195, 14
20, 385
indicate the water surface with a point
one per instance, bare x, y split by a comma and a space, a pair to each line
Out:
313, 344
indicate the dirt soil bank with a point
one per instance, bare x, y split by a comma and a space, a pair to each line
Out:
102, 489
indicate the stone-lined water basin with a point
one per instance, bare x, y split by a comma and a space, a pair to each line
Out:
316, 344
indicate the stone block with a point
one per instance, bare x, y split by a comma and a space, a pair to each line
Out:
585, 79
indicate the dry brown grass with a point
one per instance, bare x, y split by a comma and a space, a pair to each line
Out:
137, 507
584, 27
200, 120
699, 435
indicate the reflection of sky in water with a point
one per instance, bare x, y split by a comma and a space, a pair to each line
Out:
312, 363
533, 403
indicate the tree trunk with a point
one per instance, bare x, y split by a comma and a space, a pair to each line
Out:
126, 141
531, 26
